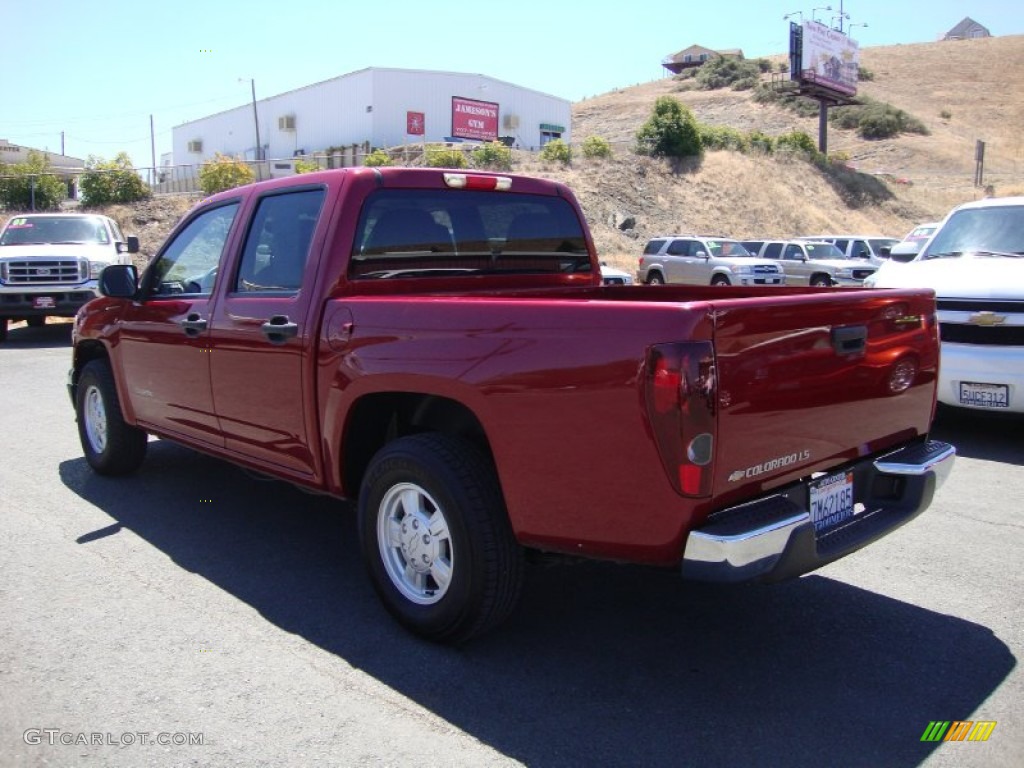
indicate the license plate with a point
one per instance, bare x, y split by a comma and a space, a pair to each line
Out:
44, 302
984, 395
831, 500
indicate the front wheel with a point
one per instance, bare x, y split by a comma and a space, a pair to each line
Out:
821, 281
436, 538
720, 280
655, 278
111, 445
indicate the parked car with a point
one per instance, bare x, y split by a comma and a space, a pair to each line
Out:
821, 264
49, 263
614, 276
921, 232
858, 246
701, 260
975, 264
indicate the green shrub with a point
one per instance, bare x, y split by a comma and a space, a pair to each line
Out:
306, 166
863, 73
945, 114
671, 131
377, 158
595, 146
877, 123
722, 72
761, 142
876, 120
556, 151
113, 181
723, 137
493, 155
224, 172
797, 141
17, 180
440, 156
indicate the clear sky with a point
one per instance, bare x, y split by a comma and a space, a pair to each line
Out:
98, 70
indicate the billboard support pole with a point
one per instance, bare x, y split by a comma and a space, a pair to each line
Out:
822, 126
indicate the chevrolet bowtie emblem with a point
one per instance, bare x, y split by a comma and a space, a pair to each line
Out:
987, 319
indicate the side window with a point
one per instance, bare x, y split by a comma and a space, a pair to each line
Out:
189, 263
860, 250
793, 252
842, 245
678, 248
772, 250
277, 245
653, 247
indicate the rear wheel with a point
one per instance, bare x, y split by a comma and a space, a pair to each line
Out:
655, 278
436, 538
720, 280
111, 446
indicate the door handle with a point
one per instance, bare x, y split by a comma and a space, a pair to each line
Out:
279, 329
193, 325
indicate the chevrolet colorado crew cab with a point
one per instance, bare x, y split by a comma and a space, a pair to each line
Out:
49, 263
438, 345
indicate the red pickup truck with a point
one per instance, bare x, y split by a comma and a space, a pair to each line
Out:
439, 346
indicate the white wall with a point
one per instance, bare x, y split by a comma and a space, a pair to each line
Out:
335, 113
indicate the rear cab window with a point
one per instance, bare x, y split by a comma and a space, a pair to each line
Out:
445, 233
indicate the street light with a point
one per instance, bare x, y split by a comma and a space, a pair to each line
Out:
822, 8
858, 24
795, 13
839, 16
256, 123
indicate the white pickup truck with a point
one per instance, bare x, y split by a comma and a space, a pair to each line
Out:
975, 264
49, 263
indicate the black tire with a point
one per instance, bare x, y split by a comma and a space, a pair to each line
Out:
111, 446
655, 278
36, 321
720, 280
821, 281
462, 573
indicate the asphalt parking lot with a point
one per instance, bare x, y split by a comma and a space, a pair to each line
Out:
191, 615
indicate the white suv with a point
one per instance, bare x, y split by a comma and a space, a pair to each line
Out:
975, 264
819, 264
699, 260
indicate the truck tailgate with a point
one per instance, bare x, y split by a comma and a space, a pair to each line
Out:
806, 382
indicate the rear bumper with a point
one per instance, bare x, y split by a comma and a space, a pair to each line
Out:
774, 538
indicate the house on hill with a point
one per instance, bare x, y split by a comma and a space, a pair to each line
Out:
694, 56
967, 29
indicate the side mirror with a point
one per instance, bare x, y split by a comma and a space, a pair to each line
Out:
700, 255
119, 281
131, 245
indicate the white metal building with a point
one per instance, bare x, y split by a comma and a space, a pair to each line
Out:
380, 106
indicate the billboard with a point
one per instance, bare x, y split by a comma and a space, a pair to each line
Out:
415, 123
473, 119
824, 57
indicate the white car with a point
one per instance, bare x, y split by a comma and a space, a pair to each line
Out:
614, 276
700, 260
975, 264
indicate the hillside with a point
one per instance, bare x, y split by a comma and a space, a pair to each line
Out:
963, 91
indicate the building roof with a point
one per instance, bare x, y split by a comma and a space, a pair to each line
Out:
965, 27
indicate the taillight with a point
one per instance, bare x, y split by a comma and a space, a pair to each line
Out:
472, 181
680, 392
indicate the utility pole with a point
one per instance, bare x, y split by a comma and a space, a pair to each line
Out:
256, 121
62, 143
152, 152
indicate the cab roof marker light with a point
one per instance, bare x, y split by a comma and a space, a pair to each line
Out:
467, 181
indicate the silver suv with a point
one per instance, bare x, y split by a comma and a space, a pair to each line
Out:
700, 260
867, 247
816, 263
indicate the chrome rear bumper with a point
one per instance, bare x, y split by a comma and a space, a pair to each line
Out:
773, 538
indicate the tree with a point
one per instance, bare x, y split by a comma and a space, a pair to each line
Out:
224, 172
17, 181
112, 182
671, 131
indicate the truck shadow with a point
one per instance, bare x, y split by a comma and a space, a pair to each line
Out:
49, 336
602, 664
981, 434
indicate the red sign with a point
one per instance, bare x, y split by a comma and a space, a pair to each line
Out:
415, 123
474, 119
